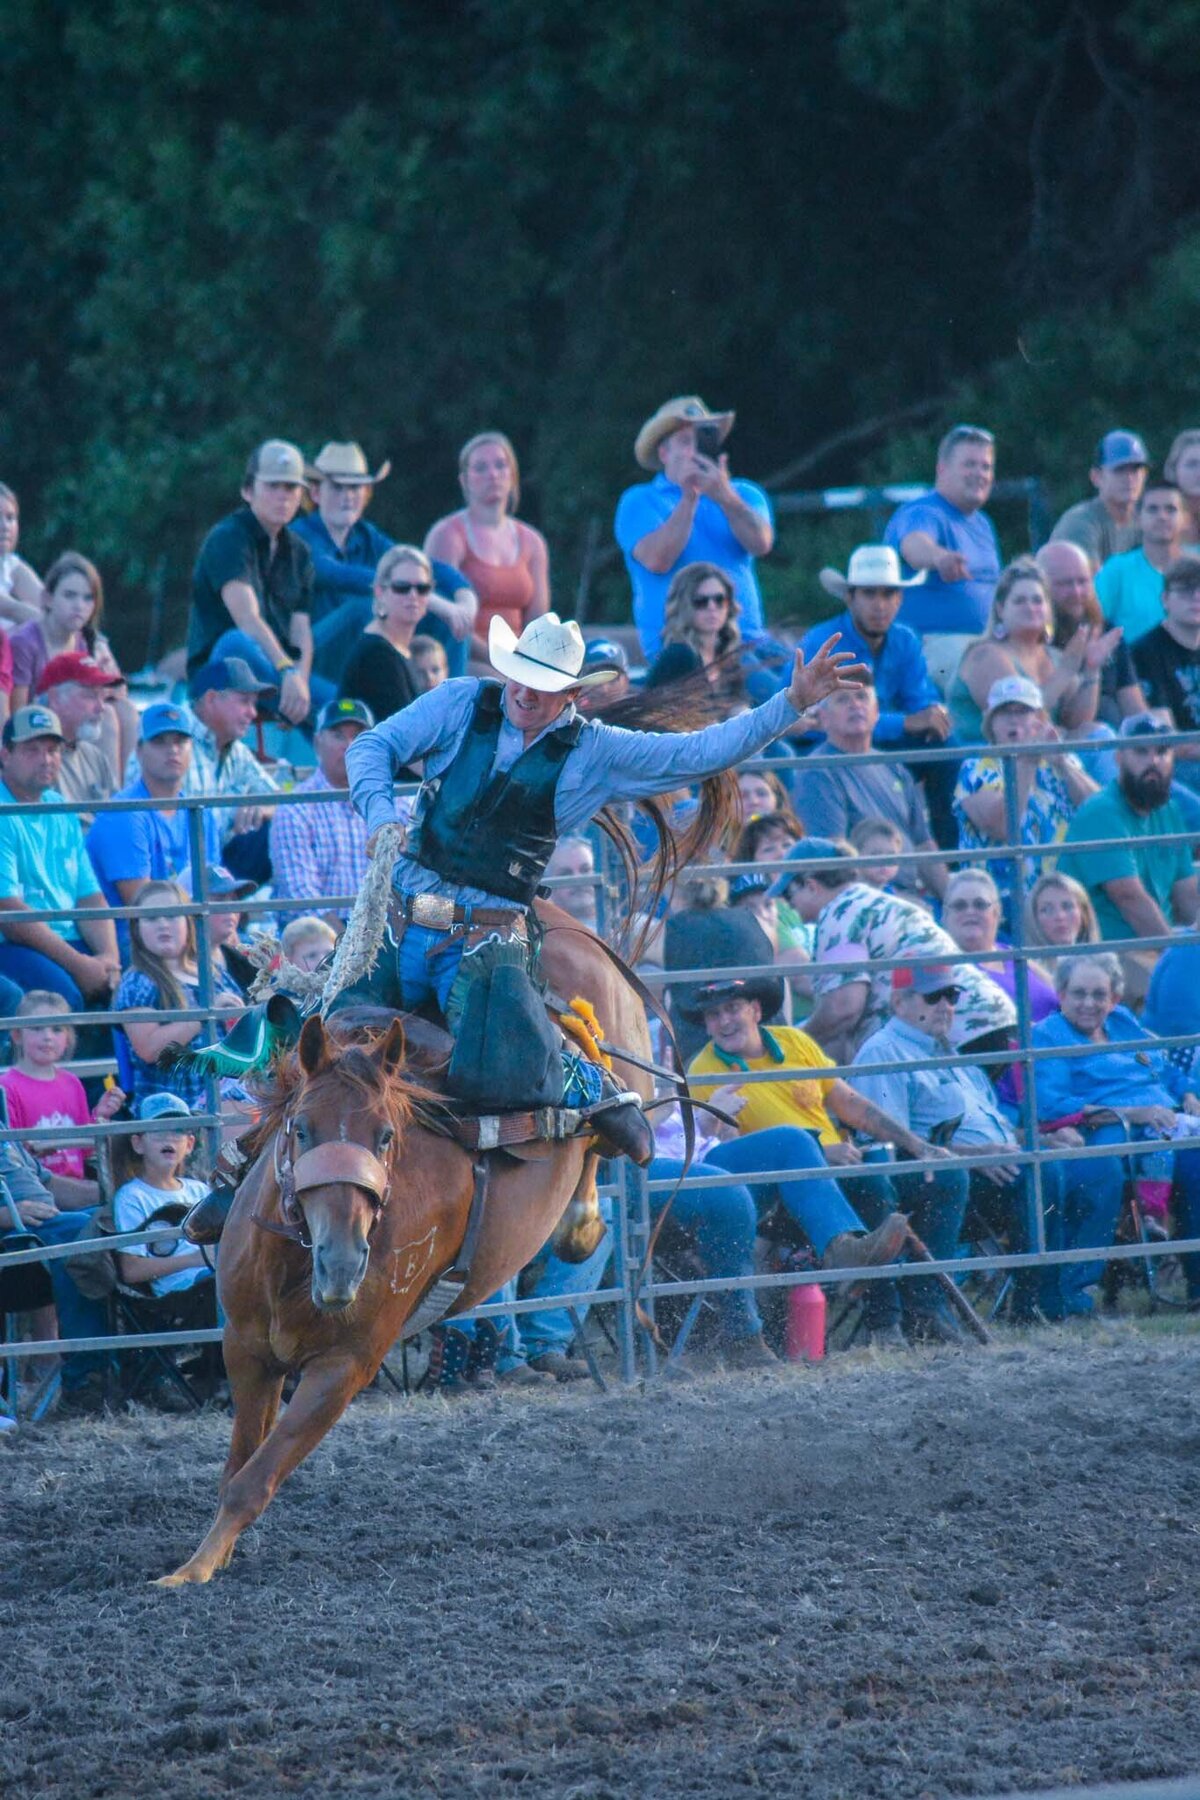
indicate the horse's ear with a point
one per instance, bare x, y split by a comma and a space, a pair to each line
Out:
390, 1053
314, 1045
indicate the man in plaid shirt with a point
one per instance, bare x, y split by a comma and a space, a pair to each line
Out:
318, 851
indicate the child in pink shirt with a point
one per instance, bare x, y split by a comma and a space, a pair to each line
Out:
41, 1093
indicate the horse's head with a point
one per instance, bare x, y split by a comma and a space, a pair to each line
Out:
335, 1146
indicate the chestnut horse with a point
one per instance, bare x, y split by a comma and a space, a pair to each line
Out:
384, 1203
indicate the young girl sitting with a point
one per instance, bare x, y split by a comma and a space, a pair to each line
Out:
149, 1167
163, 974
41, 1093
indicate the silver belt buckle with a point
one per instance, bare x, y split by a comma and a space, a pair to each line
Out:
435, 911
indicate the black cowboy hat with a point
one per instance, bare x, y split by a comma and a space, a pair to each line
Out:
766, 989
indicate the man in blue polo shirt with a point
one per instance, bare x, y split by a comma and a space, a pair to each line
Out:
691, 512
947, 533
128, 849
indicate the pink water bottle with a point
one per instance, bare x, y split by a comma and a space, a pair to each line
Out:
805, 1337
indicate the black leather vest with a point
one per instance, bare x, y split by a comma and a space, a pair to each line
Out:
488, 831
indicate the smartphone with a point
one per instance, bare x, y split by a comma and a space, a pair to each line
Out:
708, 440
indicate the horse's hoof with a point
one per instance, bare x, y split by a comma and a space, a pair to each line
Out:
187, 1576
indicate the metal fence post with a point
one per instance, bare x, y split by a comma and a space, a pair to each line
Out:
212, 1091
1012, 826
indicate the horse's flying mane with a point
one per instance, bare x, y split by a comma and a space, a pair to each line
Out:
353, 1067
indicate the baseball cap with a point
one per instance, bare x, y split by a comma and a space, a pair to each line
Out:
158, 720
344, 712
604, 653
1013, 690
1144, 725
748, 884
277, 460
161, 1105
929, 980
227, 673
809, 849
30, 722
75, 665
1119, 447
220, 880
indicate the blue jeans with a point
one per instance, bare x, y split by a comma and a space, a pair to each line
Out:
239, 643
534, 1333
28, 969
77, 1316
936, 1210
428, 964
724, 1219
1082, 1201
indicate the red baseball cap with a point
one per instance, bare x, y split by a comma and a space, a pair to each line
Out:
75, 665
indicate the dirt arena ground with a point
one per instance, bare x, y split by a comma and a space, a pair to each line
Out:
941, 1574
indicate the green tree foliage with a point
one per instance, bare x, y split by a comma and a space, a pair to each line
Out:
401, 223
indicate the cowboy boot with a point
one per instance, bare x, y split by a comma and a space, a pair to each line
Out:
620, 1126
205, 1221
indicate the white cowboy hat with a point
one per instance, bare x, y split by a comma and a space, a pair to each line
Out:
347, 465
687, 409
547, 656
871, 566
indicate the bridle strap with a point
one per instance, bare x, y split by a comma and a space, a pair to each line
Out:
335, 1161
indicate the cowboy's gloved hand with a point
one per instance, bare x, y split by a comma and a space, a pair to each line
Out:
829, 670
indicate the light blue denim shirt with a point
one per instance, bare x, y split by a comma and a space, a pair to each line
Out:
608, 763
925, 1098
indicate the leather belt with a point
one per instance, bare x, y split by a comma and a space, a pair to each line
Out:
437, 912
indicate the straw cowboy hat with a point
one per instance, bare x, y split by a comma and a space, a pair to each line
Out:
688, 409
347, 465
547, 656
871, 566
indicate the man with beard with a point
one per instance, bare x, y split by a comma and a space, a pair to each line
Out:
1139, 889
75, 688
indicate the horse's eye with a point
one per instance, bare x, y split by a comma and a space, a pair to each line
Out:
302, 1132
385, 1137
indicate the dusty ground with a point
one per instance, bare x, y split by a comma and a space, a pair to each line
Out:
936, 1574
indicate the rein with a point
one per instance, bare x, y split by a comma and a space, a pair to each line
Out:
336, 1161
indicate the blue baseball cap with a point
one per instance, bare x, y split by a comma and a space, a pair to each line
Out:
345, 712
162, 1105
1117, 449
809, 849
605, 653
228, 673
158, 720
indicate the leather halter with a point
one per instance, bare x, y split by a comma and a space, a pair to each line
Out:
335, 1161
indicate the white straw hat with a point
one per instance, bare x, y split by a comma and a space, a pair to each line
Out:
871, 566
547, 656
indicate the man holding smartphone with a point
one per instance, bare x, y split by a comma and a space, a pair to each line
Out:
692, 511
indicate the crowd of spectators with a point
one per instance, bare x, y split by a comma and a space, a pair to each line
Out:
883, 893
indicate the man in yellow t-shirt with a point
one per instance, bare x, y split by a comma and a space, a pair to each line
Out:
738, 1040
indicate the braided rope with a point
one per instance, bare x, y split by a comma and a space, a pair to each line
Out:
359, 945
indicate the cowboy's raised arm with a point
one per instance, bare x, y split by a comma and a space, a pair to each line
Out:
431, 719
630, 764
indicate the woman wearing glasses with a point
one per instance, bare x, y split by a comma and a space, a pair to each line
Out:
700, 625
380, 670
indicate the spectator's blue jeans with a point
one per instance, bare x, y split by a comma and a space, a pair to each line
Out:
240, 643
1187, 1205
936, 1209
77, 1317
29, 969
534, 1333
1082, 1200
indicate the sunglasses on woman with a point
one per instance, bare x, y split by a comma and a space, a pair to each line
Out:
699, 601
411, 587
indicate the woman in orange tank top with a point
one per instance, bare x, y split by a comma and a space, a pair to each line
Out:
502, 558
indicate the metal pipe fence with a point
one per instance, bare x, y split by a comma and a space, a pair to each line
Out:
633, 1196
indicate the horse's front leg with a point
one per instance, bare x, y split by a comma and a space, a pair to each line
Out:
256, 1390
326, 1389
